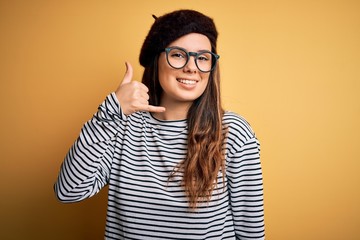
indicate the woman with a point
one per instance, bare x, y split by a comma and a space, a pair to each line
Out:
177, 165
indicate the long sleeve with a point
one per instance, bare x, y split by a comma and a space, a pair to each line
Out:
245, 182
86, 167
246, 191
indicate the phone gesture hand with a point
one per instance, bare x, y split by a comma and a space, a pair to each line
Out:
133, 95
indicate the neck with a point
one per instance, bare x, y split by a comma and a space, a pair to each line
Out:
173, 111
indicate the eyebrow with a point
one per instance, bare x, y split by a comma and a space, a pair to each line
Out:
201, 50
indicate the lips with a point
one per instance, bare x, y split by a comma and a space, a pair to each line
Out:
187, 81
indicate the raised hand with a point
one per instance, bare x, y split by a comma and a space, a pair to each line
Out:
133, 95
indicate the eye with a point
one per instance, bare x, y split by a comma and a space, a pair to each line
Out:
204, 57
175, 53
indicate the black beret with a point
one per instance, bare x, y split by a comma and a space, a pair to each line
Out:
172, 26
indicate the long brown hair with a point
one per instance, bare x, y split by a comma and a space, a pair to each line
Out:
205, 156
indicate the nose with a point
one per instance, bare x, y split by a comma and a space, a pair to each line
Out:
190, 65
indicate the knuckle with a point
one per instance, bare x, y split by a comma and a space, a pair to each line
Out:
135, 84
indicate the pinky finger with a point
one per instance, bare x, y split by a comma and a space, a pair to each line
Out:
151, 108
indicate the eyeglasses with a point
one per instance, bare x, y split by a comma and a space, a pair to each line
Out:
178, 57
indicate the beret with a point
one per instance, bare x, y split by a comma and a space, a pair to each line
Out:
172, 26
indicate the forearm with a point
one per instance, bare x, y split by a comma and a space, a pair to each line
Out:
86, 167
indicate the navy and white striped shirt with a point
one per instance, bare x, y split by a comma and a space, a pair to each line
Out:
135, 156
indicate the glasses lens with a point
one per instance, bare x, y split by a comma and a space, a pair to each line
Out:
205, 61
177, 58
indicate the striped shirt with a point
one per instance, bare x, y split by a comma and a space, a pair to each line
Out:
135, 155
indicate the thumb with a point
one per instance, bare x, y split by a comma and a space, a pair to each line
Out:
128, 74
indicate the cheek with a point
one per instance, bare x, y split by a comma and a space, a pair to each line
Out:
205, 78
162, 63
163, 69
163, 76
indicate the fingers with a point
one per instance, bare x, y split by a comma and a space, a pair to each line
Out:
143, 107
133, 95
144, 95
128, 74
151, 108
142, 104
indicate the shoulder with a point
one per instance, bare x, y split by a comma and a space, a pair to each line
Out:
236, 123
238, 129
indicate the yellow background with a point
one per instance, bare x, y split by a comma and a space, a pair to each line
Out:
292, 68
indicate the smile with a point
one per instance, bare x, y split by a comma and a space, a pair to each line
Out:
187, 81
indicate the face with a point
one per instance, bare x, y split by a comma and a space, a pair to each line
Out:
183, 86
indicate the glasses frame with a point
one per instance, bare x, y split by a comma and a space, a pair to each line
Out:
214, 58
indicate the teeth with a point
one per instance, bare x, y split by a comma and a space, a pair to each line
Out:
186, 81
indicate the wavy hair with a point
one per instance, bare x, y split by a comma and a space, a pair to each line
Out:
205, 156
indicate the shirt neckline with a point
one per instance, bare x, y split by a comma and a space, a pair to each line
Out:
167, 129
